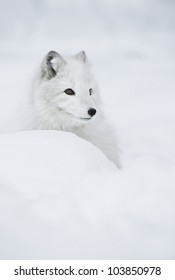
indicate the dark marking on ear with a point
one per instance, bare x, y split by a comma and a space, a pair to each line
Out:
82, 56
51, 64
51, 70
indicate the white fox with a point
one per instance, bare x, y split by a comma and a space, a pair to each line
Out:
65, 97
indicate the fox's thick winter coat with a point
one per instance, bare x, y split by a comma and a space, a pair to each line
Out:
66, 97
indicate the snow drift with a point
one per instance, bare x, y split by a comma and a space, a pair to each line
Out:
60, 197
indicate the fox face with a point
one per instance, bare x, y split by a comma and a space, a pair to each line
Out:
67, 89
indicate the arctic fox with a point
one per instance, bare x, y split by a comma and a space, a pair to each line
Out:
65, 97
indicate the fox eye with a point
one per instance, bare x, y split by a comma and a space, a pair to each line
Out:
90, 91
69, 91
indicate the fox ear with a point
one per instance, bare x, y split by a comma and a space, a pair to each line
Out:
81, 56
51, 64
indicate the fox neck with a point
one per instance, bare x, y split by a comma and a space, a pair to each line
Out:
56, 123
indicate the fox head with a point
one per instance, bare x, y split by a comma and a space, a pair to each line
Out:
66, 90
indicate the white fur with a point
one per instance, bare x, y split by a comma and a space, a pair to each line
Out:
52, 108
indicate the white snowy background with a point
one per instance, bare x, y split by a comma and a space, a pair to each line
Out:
60, 198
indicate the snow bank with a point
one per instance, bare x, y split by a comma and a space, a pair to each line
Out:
62, 198
37, 159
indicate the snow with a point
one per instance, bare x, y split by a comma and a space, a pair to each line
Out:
60, 197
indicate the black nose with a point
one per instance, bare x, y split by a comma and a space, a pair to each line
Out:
91, 112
